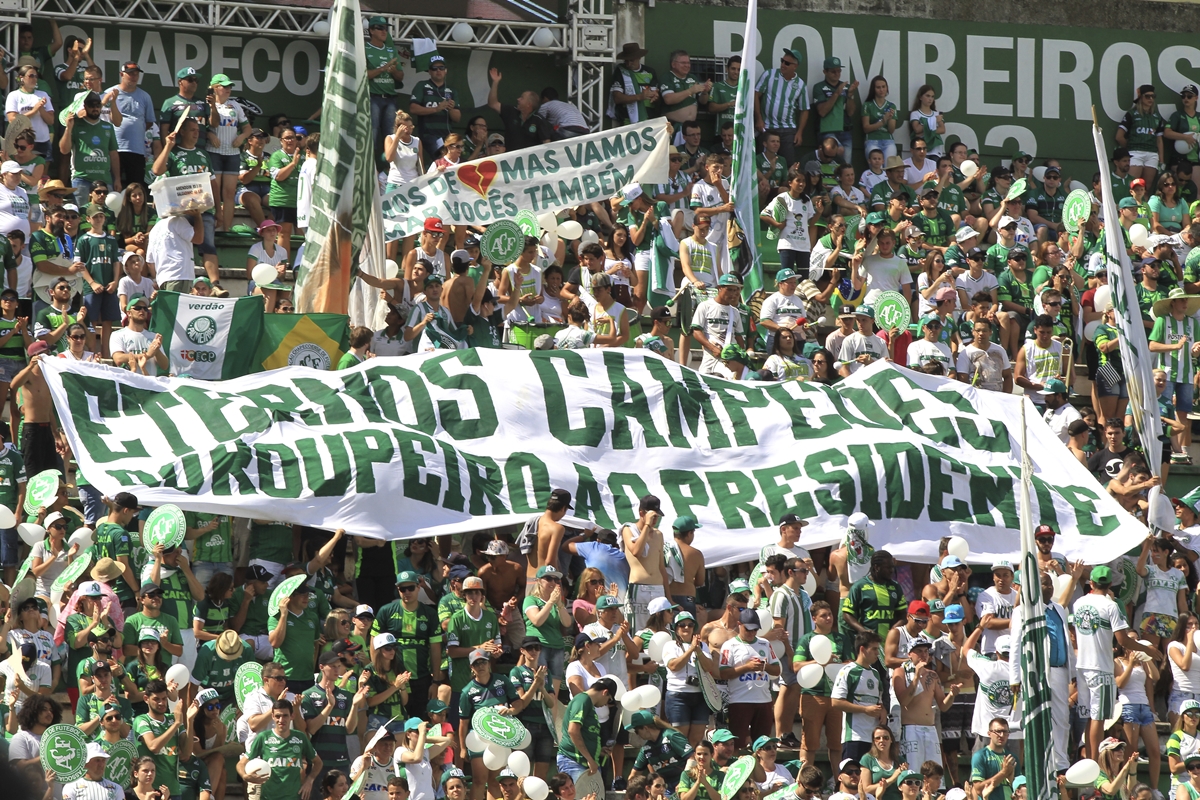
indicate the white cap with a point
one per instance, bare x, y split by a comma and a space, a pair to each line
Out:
10, 168
383, 640
956, 794
496, 548
630, 192
70, 207
94, 750
859, 521
1004, 644
964, 233
1003, 563
460, 255
51, 518
363, 609
1006, 220
660, 604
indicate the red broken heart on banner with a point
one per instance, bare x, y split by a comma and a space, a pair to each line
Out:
478, 177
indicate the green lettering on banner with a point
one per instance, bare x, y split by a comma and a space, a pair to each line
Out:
802, 426
487, 484
735, 494
887, 386
557, 413
91, 432
155, 405
675, 482
368, 448
886, 382
815, 467
629, 401
290, 484
867, 410
209, 407
996, 442
380, 383
193, 474
278, 402
905, 497
868, 478
430, 489
627, 490
944, 432
230, 460
1083, 500
454, 499
328, 398
777, 493
571, 192
358, 391
992, 490
735, 407
589, 503
449, 411
941, 485
335, 484
519, 489
688, 399
131, 477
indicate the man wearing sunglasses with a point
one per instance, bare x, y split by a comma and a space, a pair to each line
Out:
173, 107
137, 115
32, 678
418, 636
781, 103
134, 346
435, 105
93, 706
383, 77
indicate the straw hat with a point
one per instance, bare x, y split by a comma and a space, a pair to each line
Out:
105, 570
229, 646
1162, 308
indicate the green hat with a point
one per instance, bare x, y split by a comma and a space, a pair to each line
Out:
686, 523
453, 772
377, 22
607, 601
794, 53
875, 218
785, 274
1101, 574
407, 577
908, 775
683, 616
721, 735
729, 279
435, 706
937, 607
148, 635
762, 742
433, 277
864, 311
91, 209
928, 318
186, 72
643, 718
1021, 154
1054, 386
220, 79
734, 352
201, 280
1193, 758
833, 62
134, 301
1127, 202
1190, 500
930, 186
739, 586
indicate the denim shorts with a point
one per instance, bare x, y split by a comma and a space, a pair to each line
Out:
686, 708
104, 307
1137, 714
209, 246
1184, 393
553, 660
9, 542
9, 369
571, 767
225, 165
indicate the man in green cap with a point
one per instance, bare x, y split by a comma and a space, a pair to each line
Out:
134, 346
418, 635
929, 348
173, 107
717, 322
1015, 293
384, 76
933, 221
836, 101
295, 627
685, 563
862, 347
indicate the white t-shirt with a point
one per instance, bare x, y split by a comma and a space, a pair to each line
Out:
575, 670
83, 789
856, 344
618, 277
1188, 681
922, 351
914, 174
749, 687
571, 338
375, 784
24, 275
677, 678
613, 661
43, 582
420, 776
126, 286
14, 211
259, 253
607, 321
984, 368
384, 345
706, 195
1000, 606
796, 215
721, 324
169, 249
43, 640
126, 340
1162, 590
870, 180
38, 675
781, 775
523, 284
984, 283
230, 118
1097, 618
1060, 419
304, 194
993, 697
1134, 690
885, 275
781, 308
21, 102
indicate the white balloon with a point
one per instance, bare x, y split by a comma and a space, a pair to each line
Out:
526, 740
629, 701
810, 675
1196, 639
548, 223
832, 669
180, 674
1182, 146
820, 647
544, 37
1089, 333
589, 237
570, 230
657, 642
810, 584
84, 537
114, 201
1139, 236
518, 762
968, 168
474, 742
391, 269
957, 546
764, 619
1039, 174
779, 649
495, 756
650, 696
1083, 773
7, 518
1060, 583
549, 242
258, 767
535, 788
31, 533
1103, 296
1077, 185
321, 27
462, 33
262, 274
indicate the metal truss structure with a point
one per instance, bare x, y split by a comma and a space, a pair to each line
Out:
593, 33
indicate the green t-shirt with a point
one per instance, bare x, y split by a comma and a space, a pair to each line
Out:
723, 92
90, 706
549, 633
875, 605
985, 763
141, 677
287, 756
76, 655
802, 653
836, 120
297, 654
48, 320
173, 107
193, 778
466, 631
878, 773
883, 192
330, 740
776, 174
383, 84
177, 599
1142, 130
271, 542
951, 201
70, 82
43, 246
213, 616
429, 95
166, 760
939, 229
874, 114
249, 161
1148, 297
667, 755
474, 696
187, 162
100, 255
283, 193
414, 630
257, 615
715, 776
215, 672
1182, 123
484, 332
12, 473
216, 546
91, 144
521, 679
1014, 289
1048, 206
580, 710
349, 360
379, 683
135, 622
997, 259
627, 81
672, 84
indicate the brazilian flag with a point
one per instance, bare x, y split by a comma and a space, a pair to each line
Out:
317, 341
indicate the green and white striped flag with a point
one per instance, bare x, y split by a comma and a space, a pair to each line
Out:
423, 52
743, 185
209, 338
1035, 647
345, 185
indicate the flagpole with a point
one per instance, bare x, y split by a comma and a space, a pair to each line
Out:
743, 185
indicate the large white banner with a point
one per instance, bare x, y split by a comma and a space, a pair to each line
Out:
470, 439
550, 177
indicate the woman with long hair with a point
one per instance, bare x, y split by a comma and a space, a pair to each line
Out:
932, 279
36, 715
214, 613
30, 101
135, 219
388, 686
785, 362
618, 263
147, 666
33, 165
475, 143
1139, 134
415, 753
824, 369
1185, 666
1136, 675
879, 117
998, 183
926, 122
214, 744
449, 156
77, 341
685, 657
335, 784
1184, 741
1167, 211
1118, 774
791, 215
50, 557
144, 775
336, 627
879, 772
588, 590
547, 619
701, 781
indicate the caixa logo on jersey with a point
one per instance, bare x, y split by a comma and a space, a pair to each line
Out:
198, 356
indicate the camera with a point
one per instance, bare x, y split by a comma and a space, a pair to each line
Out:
693, 680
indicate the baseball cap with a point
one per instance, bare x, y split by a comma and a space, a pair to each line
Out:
1003, 563
531, 641
10, 167
329, 657
53, 517
951, 562
833, 62
639, 719
1044, 530
220, 79
721, 735
149, 635
186, 72
683, 616
548, 571
847, 311
130, 66
1189, 705
1054, 386
749, 618
258, 572
562, 497
496, 548
1127, 202
1020, 154
473, 582
729, 279
90, 210
848, 765
1006, 220
739, 586
912, 232
406, 577
433, 277
794, 53
630, 192
964, 233
433, 225
918, 607
785, 274
377, 22
763, 741
660, 604
493, 138
954, 613
662, 312
1101, 574
435, 706
931, 319
583, 638
1190, 89
90, 589
864, 311
1004, 643
37, 348
1111, 743
364, 611
504, 773
383, 640
149, 588
607, 601
976, 254
875, 218
1019, 252
95, 750
458, 573
937, 607
946, 293
792, 519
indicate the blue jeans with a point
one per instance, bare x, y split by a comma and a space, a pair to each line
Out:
1184, 394
383, 120
205, 570
886, 145
1137, 714
571, 767
9, 543
553, 660
83, 188
93, 504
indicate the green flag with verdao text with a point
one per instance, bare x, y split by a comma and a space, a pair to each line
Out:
208, 338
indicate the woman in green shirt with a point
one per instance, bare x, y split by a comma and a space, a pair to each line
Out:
284, 168
703, 781
880, 772
879, 119
1167, 211
1118, 774
388, 690
148, 666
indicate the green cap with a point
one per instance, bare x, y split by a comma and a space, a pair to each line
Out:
937, 607
186, 72
734, 352
377, 22
148, 635
763, 741
794, 53
833, 62
1190, 705
686, 523
643, 718
908, 775
729, 279
92, 209
928, 318
739, 586
721, 735
1127, 202
435, 706
220, 79
1191, 500
433, 278
930, 186
1101, 574
875, 218
134, 301
607, 601
406, 577
1053, 386
683, 616
864, 311
201, 280
1021, 154
785, 274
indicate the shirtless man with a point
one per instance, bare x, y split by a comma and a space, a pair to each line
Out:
503, 584
903, 638
43, 443
953, 586
643, 544
542, 536
917, 689
459, 288
852, 560
691, 568
717, 632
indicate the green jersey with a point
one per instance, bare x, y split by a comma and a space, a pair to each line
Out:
214, 616
939, 229
90, 706
173, 107
215, 672
50, 319
182, 161
631, 82
875, 113
193, 778
1182, 123
383, 84
177, 599
271, 542
135, 622
1105, 334
781, 99
43, 246
859, 685
467, 631
288, 756
836, 120
141, 675
415, 632
1048, 206
686, 782
166, 760
429, 95
283, 192
883, 192
257, 615
550, 632
498, 692
521, 679
380, 682
1142, 130
1014, 289
297, 654
951, 201
92, 144
985, 763
12, 475
330, 739
100, 255
582, 711
793, 607
70, 81
997, 258
723, 92
875, 605
1178, 364
1148, 297
666, 755
775, 173
802, 653
216, 546
250, 161
673, 84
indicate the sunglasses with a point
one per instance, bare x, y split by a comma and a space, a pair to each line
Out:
1193, 767
437, 69
274, 678
685, 625
999, 733
596, 582
911, 783
288, 138
406, 589
141, 308
71, 217
75, 337
111, 718
212, 706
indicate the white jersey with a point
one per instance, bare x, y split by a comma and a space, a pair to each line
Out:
613, 660
84, 789
998, 605
885, 275
677, 678
859, 685
782, 308
922, 352
405, 166
721, 324
375, 785
749, 687
1096, 619
993, 697
1162, 590
420, 776
857, 344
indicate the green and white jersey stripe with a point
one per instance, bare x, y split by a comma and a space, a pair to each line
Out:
1179, 364
793, 608
781, 99
859, 685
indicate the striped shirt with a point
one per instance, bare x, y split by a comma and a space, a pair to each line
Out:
793, 608
84, 789
1179, 364
781, 99
674, 185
